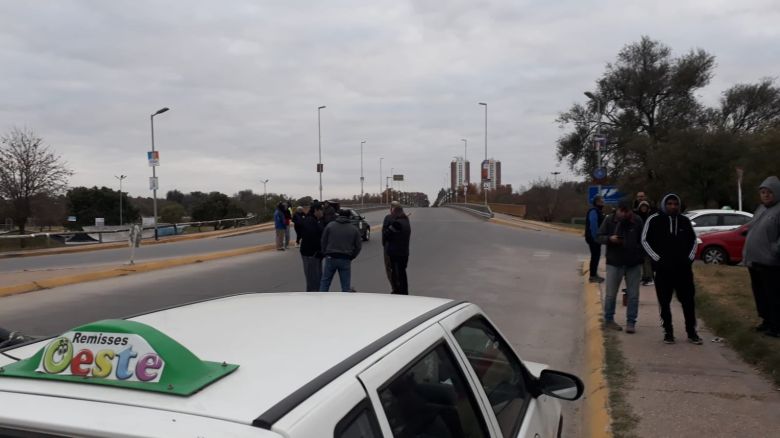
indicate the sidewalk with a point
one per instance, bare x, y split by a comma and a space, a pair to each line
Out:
686, 390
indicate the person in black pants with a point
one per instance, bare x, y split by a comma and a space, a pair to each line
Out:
669, 240
396, 236
593, 221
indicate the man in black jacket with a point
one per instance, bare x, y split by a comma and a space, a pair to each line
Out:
622, 233
386, 223
670, 241
593, 220
311, 227
397, 236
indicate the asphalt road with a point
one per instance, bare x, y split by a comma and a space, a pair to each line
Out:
148, 252
528, 282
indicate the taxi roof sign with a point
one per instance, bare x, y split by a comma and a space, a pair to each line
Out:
120, 353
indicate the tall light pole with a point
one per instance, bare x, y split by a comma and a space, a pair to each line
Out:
120, 178
485, 188
361, 172
265, 193
319, 145
392, 186
466, 176
592, 97
154, 173
381, 195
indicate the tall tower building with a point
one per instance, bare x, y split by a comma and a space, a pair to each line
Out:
459, 173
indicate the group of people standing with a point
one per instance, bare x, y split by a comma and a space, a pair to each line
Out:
657, 247
329, 242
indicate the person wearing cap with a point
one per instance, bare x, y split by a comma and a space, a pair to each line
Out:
761, 255
621, 232
386, 223
311, 228
593, 220
670, 241
644, 211
340, 243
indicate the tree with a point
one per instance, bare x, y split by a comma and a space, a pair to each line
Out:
750, 108
88, 203
175, 196
172, 213
28, 169
644, 96
217, 206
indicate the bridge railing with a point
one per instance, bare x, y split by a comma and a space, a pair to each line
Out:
480, 210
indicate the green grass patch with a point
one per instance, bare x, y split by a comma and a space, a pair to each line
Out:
725, 302
41, 242
619, 376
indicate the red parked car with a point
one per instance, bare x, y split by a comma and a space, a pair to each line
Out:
722, 247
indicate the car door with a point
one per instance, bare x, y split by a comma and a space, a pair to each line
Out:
732, 221
503, 379
420, 389
705, 223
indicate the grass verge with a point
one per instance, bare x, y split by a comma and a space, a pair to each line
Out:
725, 302
40, 242
619, 377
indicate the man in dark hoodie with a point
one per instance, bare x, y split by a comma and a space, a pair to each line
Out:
311, 228
762, 257
593, 221
397, 236
622, 233
341, 243
670, 241
386, 223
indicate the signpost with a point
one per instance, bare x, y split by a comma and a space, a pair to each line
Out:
154, 158
398, 177
153, 183
611, 194
740, 172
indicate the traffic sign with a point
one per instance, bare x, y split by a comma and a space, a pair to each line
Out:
599, 142
319, 168
600, 173
398, 177
153, 184
611, 194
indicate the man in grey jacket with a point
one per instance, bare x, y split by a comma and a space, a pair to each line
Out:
762, 256
341, 243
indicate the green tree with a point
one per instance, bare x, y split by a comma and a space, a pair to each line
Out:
28, 169
217, 206
90, 203
175, 196
750, 108
172, 213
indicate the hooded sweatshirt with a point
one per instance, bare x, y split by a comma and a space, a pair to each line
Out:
762, 246
668, 239
341, 239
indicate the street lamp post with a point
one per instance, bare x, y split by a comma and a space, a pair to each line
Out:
319, 146
592, 97
361, 172
392, 186
265, 194
381, 195
486, 155
466, 176
120, 178
154, 174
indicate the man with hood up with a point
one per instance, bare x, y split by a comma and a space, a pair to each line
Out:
340, 244
762, 256
669, 240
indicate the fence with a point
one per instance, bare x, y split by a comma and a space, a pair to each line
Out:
518, 210
480, 210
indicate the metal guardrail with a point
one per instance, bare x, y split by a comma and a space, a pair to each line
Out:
235, 223
480, 210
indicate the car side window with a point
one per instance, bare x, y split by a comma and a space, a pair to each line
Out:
499, 371
431, 398
706, 220
360, 422
735, 219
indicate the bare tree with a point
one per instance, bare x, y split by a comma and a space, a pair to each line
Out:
28, 169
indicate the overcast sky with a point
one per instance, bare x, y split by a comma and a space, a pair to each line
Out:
243, 80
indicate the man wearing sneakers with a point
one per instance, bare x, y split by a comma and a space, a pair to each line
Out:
622, 233
670, 241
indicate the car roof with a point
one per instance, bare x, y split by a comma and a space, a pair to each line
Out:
281, 341
716, 211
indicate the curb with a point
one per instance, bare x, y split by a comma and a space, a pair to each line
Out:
597, 418
128, 270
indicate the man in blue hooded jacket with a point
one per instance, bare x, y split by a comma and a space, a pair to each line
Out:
670, 241
762, 257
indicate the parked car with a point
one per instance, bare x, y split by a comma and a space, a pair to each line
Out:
359, 221
705, 221
722, 247
427, 367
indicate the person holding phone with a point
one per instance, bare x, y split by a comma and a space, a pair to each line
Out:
621, 232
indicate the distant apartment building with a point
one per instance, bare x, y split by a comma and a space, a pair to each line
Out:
491, 170
459, 173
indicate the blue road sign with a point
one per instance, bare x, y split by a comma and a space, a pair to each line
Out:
600, 173
611, 194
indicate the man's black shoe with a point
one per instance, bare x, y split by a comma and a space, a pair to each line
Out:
694, 338
668, 338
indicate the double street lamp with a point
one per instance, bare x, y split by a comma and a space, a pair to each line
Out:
154, 173
120, 178
265, 194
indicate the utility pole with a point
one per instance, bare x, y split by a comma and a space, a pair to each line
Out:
120, 178
319, 145
154, 174
486, 155
265, 194
466, 175
381, 195
361, 172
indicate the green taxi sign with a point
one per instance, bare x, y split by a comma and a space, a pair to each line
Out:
125, 354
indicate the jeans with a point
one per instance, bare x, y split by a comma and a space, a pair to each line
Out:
312, 269
400, 282
615, 275
344, 268
595, 255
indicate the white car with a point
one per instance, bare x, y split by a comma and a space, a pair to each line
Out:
284, 365
705, 221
